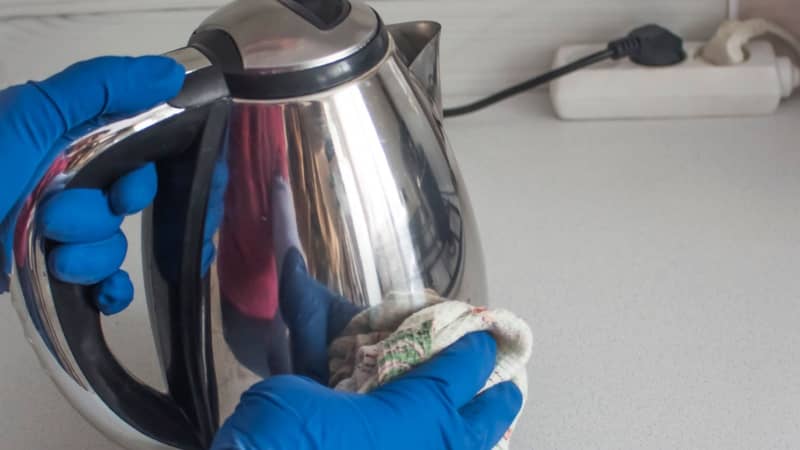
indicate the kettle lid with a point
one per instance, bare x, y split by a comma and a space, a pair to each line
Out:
280, 36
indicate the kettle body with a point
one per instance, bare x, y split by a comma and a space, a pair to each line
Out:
304, 126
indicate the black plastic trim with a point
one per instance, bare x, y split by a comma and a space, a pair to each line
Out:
194, 309
145, 409
170, 138
220, 48
201, 87
260, 86
323, 14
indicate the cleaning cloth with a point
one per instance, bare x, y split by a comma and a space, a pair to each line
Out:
386, 341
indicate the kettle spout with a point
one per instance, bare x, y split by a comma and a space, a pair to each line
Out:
418, 46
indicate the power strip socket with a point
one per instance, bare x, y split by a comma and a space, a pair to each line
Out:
694, 88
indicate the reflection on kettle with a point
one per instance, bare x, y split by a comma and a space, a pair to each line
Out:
248, 281
303, 176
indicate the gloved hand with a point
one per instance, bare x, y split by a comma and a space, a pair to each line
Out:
92, 247
34, 119
433, 407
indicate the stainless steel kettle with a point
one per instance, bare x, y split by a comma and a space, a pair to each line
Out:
314, 101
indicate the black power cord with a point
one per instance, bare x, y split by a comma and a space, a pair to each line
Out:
650, 45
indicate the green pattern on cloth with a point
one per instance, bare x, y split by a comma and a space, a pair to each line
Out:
404, 350
388, 340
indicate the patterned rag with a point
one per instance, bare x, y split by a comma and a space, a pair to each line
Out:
388, 340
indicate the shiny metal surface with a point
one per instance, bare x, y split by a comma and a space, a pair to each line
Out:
272, 38
191, 59
418, 46
375, 201
31, 291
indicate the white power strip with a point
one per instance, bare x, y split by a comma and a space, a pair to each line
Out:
695, 88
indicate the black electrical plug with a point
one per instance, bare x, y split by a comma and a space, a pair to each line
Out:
650, 45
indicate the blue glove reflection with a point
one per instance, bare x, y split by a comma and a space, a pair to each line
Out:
34, 119
314, 315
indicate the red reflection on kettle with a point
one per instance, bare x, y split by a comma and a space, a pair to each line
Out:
257, 153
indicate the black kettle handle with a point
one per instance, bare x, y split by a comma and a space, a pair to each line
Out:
199, 125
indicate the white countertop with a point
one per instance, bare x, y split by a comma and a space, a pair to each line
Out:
657, 262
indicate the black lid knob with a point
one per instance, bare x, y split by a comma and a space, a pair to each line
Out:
281, 36
323, 14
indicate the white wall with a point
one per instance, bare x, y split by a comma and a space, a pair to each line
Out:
486, 45
784, 12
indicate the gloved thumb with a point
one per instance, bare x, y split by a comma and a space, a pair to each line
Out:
489, 416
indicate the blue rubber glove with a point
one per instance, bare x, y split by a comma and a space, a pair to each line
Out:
87, 224
34, 121
433, 407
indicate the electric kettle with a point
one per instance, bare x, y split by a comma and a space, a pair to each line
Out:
306, 121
